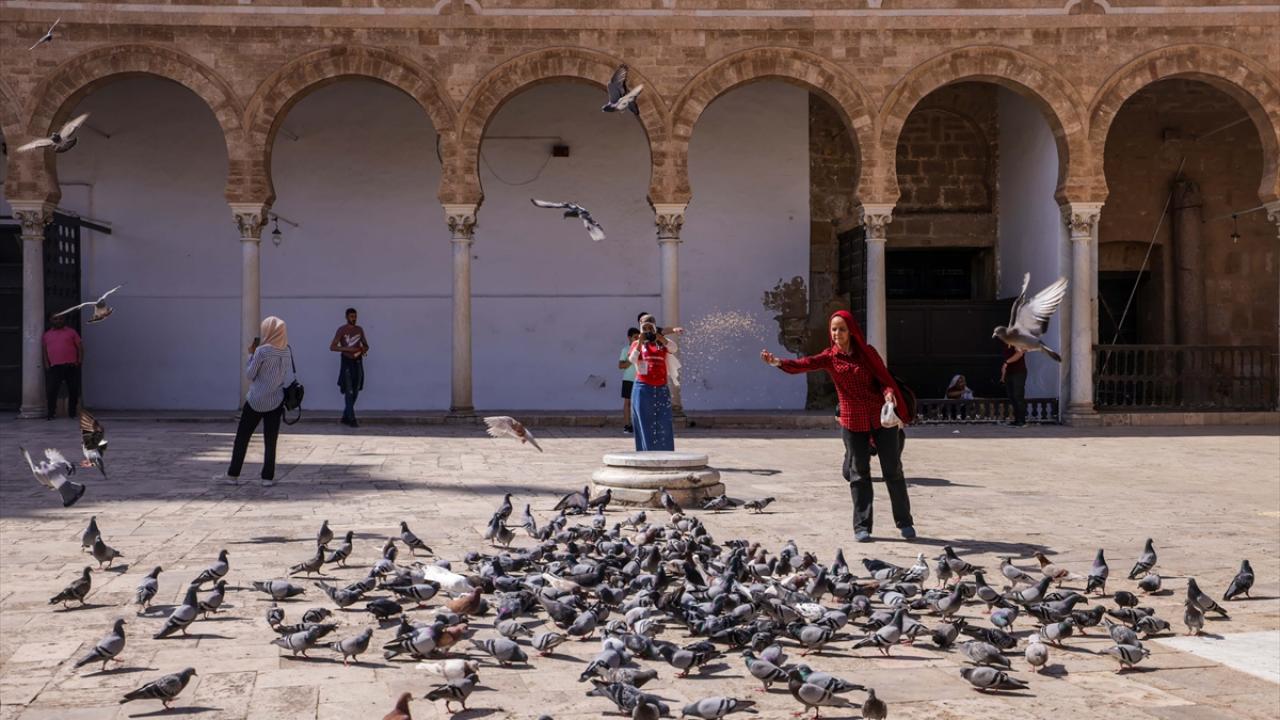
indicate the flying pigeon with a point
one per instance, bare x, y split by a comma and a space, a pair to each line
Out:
47, 37
62, 140
572, 210
620, 98
1029, 319
107, 648
93, 441
1241, 583
101, 311
165, 689
52, 472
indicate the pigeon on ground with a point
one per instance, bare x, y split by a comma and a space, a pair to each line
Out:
717, 503
984, 653
61, 141
1097, 579
324, 535
1127, 655
528, 522
763, 670
1016, 575
547, 642
104, 553
503, 650
812, 696
100, 308
1125, 599
873, 708
211, 604
1241, 583
343, 552
342, 597
669, 503
77, 590
90, 533
758, 505
52, 472
1146, 561
714, 708
214, 572
107, 649
1201, 600
451, 669
454, 691
147, 589
278, 589
1149, 583
298, 642
46, 37
401, 710
601, 501
1029, 318
275, 615
311, 564
412, 541
1037, 653
620, 98
575, 503
165, 689
505, 426
958, 566
836, 685
93, 442
1056, 573
986, 678
1193, 618
383, 608
181, 616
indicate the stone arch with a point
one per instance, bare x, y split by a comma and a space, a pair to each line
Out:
1032, 78
462, 180
288, 85
813, 72
56, 96
1238, 75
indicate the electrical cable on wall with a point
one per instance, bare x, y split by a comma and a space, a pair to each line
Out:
510, 183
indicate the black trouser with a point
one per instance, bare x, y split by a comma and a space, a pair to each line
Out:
54, 377
857, 472
249, 419
1016, 385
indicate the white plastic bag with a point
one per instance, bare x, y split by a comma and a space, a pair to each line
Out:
889, 415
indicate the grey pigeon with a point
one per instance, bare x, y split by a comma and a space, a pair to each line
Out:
1193, 617
1146, 561
1241, 583
758, 506
298, 642
61, 141
214, 572
873, 708
1201, 600
278, 589
528, 522
104, 553
311, 564
503, 650
275, 615
1149, 583
211, 604
513, 629
684, 659
46, 37
546, 642
575, 502
77, 590
812, 696
1151, 626
52, 472
986, 678
324, 535
411, 540
107, 648
100, 308
714, 708
383, 608
342, 597
1029, 318
92, 533
621, 98
181, 616
418, 592
645, 710
1127, 655
1056, 632
93, 442
1122, 635
1097, 579
147, 589
763, 670
343, 552
836, 685
669, 503
594, 231
983, 653
1014, 574
453, 691
717, 503
164, 689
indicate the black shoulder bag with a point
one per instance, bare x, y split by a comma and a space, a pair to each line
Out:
293, 394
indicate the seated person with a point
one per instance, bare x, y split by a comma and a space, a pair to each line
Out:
958, 390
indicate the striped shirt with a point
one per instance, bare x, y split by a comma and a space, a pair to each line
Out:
270, 371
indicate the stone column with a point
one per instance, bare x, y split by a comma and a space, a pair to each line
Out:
250, 219
1082, 224
462, 227
33, 217
876, 218
1188, 256
1273, 214
669, 217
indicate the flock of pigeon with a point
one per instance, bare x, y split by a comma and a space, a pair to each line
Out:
633, 581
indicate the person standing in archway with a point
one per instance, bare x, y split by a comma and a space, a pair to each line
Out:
351, 341
650, 397
863, 386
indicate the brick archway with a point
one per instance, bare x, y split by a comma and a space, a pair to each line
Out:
288, 85
462, 179
815, 73
1032, 78
1257, 91
57, 96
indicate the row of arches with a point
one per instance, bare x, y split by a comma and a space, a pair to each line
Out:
1079, 126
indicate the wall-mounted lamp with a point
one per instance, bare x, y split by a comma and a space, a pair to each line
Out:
277, 237
1235, 229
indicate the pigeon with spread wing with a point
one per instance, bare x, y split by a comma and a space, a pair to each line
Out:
620, 98
94, 440
52, 472
1029, 318
61, 141
100, 308
503, 426
572, 210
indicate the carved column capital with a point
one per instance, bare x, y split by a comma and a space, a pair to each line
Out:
1081, 219
461, 220
33, 217
250, 219
875, 217
1273, 214
669, 217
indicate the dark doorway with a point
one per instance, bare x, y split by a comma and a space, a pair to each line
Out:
933, 274
852, 276
1114, 291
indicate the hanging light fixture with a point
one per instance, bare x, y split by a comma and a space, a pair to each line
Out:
276, 236
1235, 229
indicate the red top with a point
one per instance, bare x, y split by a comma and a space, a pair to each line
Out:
861, 395
654, 359
62, 345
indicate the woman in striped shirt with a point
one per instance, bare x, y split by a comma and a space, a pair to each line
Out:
863, 385
270, 371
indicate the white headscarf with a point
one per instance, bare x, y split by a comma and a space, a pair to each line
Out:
274, 332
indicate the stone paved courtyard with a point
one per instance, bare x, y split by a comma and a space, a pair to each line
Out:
1207, 496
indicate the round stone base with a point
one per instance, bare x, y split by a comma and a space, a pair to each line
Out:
636, 477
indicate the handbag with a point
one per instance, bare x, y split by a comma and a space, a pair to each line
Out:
293, 394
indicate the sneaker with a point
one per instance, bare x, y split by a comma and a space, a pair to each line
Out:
908, 533
862, 536
628, 429
226, 479
267, 482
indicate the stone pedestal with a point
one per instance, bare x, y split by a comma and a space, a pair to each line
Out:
635, 478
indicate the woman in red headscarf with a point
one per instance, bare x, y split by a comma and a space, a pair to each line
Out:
863, 385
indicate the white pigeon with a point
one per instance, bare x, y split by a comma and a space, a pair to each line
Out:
100, 308
619, 97
575, 210
1028, 319
504, 426
61, 141
451, 669
47, 37
52, 472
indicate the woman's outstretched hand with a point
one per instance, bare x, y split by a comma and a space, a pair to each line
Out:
769, 357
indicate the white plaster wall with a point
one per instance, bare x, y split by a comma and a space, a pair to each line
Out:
1032, 235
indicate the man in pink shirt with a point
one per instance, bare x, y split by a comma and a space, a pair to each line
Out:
63, 354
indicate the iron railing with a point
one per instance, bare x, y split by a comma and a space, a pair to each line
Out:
1213, 378
939, 411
